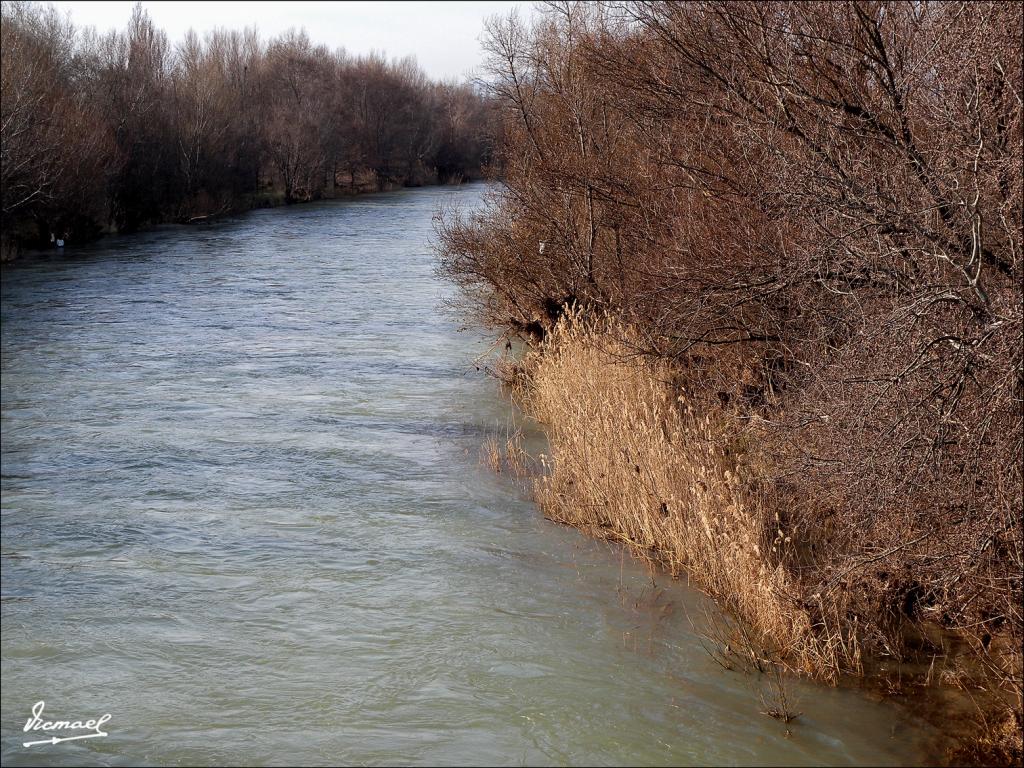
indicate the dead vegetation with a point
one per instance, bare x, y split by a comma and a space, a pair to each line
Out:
126, 128
792, 234
507, 454
632, 460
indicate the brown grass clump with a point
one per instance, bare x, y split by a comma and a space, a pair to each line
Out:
490, 454
638, 456
507, 454
631, 460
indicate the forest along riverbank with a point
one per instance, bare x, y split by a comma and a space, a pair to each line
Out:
780, 343
244, 513
124, 130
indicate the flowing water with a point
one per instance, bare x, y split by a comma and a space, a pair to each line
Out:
244, 514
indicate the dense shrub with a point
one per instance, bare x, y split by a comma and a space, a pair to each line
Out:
812, 213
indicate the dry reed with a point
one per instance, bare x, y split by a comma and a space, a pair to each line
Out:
632, 461
637, 459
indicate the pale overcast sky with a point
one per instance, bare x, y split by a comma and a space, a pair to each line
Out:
443, 36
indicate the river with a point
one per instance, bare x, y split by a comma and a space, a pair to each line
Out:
244, 514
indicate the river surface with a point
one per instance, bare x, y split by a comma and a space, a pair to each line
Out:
244, 513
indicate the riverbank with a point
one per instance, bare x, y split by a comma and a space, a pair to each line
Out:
639, 455
798, 376
241, 476
359, 186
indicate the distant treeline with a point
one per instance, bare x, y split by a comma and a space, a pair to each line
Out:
124, 129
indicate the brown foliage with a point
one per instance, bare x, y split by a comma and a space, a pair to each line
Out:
813, 212
126, 129
53, 155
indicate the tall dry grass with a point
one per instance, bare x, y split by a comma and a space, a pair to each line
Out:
631, 460
636, 455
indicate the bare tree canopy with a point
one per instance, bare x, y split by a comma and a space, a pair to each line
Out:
124, 129
813, 210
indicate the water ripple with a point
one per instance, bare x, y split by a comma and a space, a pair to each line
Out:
243, 513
